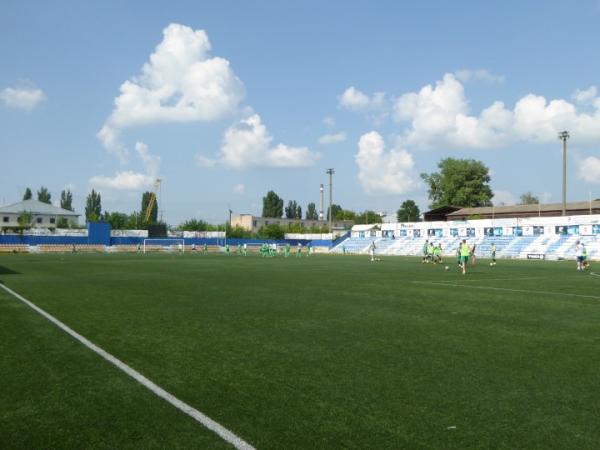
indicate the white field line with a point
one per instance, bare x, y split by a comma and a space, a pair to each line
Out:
490, 288
505, 279
595, 274
223, 432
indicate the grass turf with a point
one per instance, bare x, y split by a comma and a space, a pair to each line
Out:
319, 352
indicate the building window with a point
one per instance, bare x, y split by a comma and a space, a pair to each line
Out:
52, 219
38, 220
5, 219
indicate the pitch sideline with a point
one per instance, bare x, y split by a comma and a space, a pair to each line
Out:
200, 417
491, 288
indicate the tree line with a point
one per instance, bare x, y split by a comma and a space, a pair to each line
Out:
457, 182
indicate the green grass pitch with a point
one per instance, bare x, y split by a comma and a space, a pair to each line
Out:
318, 352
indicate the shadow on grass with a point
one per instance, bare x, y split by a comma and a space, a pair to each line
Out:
7, 271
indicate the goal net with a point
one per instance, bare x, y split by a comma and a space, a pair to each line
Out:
168, 245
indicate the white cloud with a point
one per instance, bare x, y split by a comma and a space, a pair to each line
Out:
179, 83
26, 98
129, 180
383, 171
248, 143
438, 116
239, 188
204, 162
357, 101
589, 169
151, 162
333, 138
466, 75
585, 96
502, 198
329, 122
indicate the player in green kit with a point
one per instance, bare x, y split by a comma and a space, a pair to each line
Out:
239, 249
437, 254
227, 249
205, 249
299, 250
425, 245
493, 254
465, 253
287, 252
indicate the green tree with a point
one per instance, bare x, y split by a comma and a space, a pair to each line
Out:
43, 195
528, 199
146, 196
93, 207
193, 225
408, 212
27, 195
272, 205
311, 212
365, 217
291, 209
461, 182
66, 200
238, 232
62, 222
24, 219
117, 220
336, 210
272, 231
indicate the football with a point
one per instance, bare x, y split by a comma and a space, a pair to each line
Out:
447, 268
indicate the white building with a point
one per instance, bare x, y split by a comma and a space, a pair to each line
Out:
43, 215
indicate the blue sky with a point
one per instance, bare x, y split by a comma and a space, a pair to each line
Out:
227, 100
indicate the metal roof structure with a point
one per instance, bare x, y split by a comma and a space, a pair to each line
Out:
36, 207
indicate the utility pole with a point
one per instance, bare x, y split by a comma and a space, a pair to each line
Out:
563, 136
330, 172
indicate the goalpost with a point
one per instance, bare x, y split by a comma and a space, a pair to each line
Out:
167, 244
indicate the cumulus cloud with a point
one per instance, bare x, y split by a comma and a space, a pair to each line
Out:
466, 75
357, 101
329, 122
25, 98
383, 171
129, 180
123, 181
181, 82
439, 116
248, 143
502, 198
333, 138
239, 188
204, 162
585, 96
589, 169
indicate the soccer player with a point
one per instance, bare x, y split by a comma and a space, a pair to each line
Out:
239, 249
288, 250
437, 253
579, 253
372, 250
465, 252
473, 257
430, 252
586, 263
227, 249
425, 246
245, 250
299, 250
493, 254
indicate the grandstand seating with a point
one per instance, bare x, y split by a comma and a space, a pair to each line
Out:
547, 246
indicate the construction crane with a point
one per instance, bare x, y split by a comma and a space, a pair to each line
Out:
152, 200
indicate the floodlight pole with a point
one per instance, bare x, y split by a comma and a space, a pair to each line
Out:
330, 172
563, 136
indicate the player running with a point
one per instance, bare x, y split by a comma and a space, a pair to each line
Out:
473, 257
465, 252
493, 254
